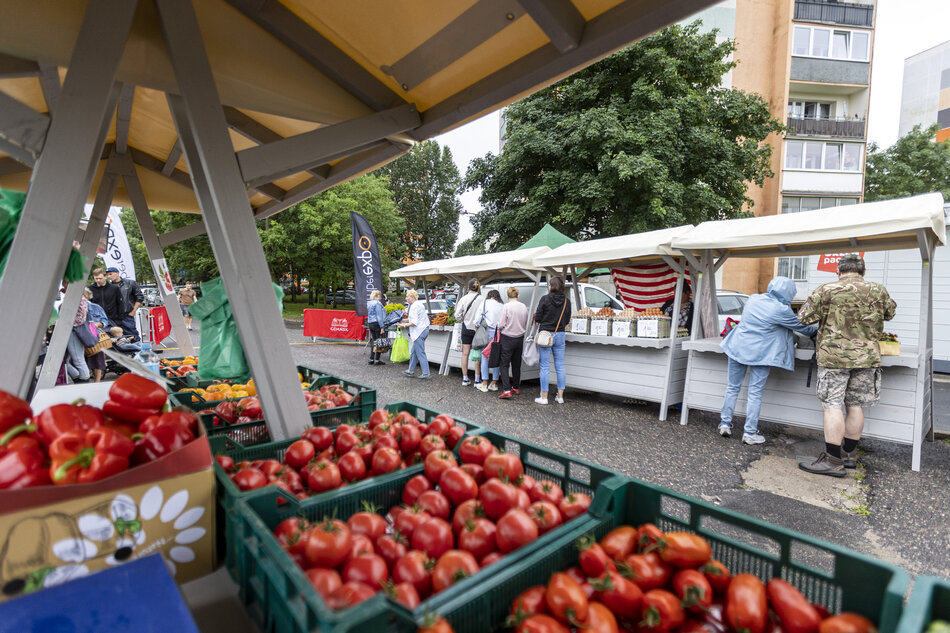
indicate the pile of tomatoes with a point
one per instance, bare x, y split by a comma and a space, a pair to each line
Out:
645, 580
454, 520
323, 460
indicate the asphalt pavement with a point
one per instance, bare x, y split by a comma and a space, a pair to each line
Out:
883, 509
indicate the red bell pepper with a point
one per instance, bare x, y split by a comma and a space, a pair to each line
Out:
184, 419
13, 411
19, 438
160, 441
87, 456
135, 391
227, 411
60, 418
22, 468
127, 413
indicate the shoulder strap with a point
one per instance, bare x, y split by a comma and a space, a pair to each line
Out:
562, 314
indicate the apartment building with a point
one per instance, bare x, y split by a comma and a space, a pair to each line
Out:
925, 95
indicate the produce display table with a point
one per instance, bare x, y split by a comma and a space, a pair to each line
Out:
787, 399
439, 338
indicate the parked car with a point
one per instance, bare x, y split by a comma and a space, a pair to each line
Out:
342, 297
731, 304
437, 306
152, 297
590, 295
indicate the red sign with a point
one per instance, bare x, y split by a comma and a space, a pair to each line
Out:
161, 324
333, 324
829, 263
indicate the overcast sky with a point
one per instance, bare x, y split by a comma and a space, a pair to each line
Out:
903, 28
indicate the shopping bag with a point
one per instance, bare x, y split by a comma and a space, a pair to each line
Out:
475, 355
530, 356
457, 337
480, 340
400, 351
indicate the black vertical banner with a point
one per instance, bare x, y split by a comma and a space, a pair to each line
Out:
368, 272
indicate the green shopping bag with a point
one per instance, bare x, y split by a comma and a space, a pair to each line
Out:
400, 351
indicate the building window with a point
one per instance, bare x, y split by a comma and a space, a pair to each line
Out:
809, 110
819, 156
795, 268
794, 204
813, 41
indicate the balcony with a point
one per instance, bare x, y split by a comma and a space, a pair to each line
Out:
830, 12
830, 71
837, 128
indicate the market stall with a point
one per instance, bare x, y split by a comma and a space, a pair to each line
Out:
905, 413
631, 356
506, 265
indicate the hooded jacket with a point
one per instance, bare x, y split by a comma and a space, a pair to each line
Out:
764, 334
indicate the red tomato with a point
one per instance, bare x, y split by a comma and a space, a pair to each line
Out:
684, 550
530, 601
409, 438
430, 444
526, 483
435, 503
377, 417
323, 476
662, 610
452, 566
250, 479
225, 462
474, 450
566, 599
546, 490
387, 441
392, 547
455, 434
693, 589
383, 430
793, 609
578, 575
434, 537
328, 543
600, 619
404, 417
369, 569
515, 529
386, 460
367, 522
541, 623
497, 498
270, 467
352, 467
620, 542
345, 442
410, 519
319, 436
364, 450
619, 594
478, 538
718, 575
545, 515
435, 624
524, 501
325, 581
574, 505
362, 545
415, 568
340, 430
491, 559
405, 594
415, 487
299, 453
440, 425
847, 623
648, 535
436, 463
649, 570
289, 530
747, 607
592, 558
503, 465
458, 485
467, 511
350, 594
475, 471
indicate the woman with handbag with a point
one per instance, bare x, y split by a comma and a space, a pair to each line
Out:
375, 318
79, 339
466, 311
513, 323
552, 317
491, 311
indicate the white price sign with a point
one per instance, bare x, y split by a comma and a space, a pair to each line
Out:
648, 328
598, 327
579, 326
621, 329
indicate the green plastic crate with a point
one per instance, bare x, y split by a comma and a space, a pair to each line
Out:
227, 494
265, 564
929, 601
838, 578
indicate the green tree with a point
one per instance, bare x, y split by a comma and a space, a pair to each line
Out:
915, 164
425, 184
471, 246
644, 139
193, 255
312, 240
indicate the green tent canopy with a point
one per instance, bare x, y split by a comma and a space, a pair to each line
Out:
552, 238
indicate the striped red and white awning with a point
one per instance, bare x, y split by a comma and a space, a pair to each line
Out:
646, 286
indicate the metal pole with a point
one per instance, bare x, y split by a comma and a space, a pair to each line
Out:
59, 187
64, 325
229, 218
154, 250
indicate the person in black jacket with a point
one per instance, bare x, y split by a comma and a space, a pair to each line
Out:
132, 299
553, 315
107, 296
686, 310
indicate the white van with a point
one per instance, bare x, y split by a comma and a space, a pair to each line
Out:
591, 296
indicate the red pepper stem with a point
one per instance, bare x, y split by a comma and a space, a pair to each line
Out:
83, 458
137, 436
78, 402
14, 431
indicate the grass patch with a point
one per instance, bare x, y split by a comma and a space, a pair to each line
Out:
862, 511
294, 309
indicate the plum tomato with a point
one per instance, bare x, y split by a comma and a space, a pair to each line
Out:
452, 566
415, 487
474, 450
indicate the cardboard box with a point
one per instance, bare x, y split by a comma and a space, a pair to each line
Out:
890, 348
52, 534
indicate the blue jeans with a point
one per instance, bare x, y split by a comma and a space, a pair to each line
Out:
758, 374
495, 372
544, 362
417, 353
128, 327
76, 358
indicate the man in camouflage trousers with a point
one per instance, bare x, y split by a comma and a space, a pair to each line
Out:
850, 314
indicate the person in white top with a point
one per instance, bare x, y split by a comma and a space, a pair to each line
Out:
467, 310
488, 318
417, 320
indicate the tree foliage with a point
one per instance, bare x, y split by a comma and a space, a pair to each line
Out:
193, 255
915, 164
644, 139
313, 240
425, 184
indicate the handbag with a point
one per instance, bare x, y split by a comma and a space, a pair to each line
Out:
480, 340
530, 356
382, 345
400, 351
87, 337
105, 342
545, 338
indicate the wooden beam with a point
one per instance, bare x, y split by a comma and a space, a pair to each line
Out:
22, 129
256, 131
12, 67
173, 157
559, 19
49, 81
156, 165
123, 118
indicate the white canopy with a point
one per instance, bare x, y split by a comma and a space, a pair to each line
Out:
487, 265
884, 225
622, 249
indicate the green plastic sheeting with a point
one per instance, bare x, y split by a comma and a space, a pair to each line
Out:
222, 355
